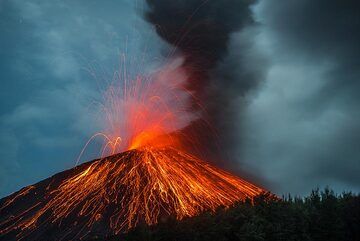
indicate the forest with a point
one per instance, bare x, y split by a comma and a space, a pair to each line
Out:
322, 215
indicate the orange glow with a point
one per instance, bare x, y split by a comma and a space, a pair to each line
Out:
136, 186
145, 111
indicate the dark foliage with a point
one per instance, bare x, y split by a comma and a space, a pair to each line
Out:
322, 215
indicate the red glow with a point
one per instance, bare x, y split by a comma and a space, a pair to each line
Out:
145, 111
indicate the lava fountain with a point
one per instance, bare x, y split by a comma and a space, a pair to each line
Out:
149, 110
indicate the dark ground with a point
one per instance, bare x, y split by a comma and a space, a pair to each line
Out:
322, 215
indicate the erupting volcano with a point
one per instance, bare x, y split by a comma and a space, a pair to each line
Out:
146, 173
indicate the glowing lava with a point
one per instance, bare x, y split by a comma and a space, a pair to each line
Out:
119, 192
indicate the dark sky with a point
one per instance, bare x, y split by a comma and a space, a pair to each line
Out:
300, 123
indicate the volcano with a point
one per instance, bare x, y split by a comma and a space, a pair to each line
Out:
114, 194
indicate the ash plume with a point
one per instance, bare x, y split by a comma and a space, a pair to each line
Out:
201, 31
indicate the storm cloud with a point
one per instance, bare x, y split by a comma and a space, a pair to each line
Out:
303, 125
280, 80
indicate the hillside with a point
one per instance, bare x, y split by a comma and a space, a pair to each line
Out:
112, 195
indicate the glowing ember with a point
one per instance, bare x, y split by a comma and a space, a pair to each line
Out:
121, 191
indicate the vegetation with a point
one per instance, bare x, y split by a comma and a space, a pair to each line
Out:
322, 215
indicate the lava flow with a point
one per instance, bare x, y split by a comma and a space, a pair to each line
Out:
153, 177
112, 195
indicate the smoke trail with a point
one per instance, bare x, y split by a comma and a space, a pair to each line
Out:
201, 31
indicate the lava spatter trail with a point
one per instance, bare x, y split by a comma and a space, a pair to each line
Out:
112, 195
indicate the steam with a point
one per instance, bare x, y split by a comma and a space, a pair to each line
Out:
201, 31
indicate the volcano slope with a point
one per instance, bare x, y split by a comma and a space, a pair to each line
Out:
112, 195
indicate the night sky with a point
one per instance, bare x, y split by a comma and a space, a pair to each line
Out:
298, 122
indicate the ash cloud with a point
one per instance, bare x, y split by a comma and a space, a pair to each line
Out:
281, 84
203, 32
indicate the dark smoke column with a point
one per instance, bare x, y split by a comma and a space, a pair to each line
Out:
200, 31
